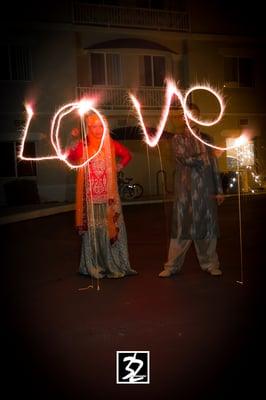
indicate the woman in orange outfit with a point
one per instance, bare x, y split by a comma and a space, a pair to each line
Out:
99, 217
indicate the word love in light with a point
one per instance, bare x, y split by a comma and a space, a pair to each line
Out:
85, 106
172, 90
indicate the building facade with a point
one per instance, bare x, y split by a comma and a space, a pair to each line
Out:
55, 54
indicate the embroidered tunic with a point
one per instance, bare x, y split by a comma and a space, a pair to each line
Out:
197, 181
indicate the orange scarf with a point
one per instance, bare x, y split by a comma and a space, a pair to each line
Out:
83, 202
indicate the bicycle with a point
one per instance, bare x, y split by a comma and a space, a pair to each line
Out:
128, 190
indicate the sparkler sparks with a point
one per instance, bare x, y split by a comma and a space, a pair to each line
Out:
30, 114
242, 160
171, 90
82, 107
87, 105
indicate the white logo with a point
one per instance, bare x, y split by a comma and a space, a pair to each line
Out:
132, 367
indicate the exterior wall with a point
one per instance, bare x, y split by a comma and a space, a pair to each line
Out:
146, 165
61, 63
53, 85
241, 103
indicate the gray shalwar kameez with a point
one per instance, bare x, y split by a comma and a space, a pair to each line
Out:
197, 181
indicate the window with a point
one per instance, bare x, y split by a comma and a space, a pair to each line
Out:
7, 159
152, 70
97, 69
243, 122
161, 5
15, 63
105, 69
5, 64
238, 72
11, 166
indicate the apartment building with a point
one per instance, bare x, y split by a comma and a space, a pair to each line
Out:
57, 53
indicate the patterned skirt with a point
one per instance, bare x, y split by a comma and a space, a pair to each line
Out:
99, 258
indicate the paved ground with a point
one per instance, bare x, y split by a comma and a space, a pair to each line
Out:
205, 334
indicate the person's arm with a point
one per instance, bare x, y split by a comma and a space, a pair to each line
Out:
217, 180
75, 151
192, 161
218, 187
212, 154
214, 165
123, 154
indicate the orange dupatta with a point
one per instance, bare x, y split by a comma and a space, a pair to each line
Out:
113, 200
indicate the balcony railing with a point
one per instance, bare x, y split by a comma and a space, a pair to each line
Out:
111, 98
145, 18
